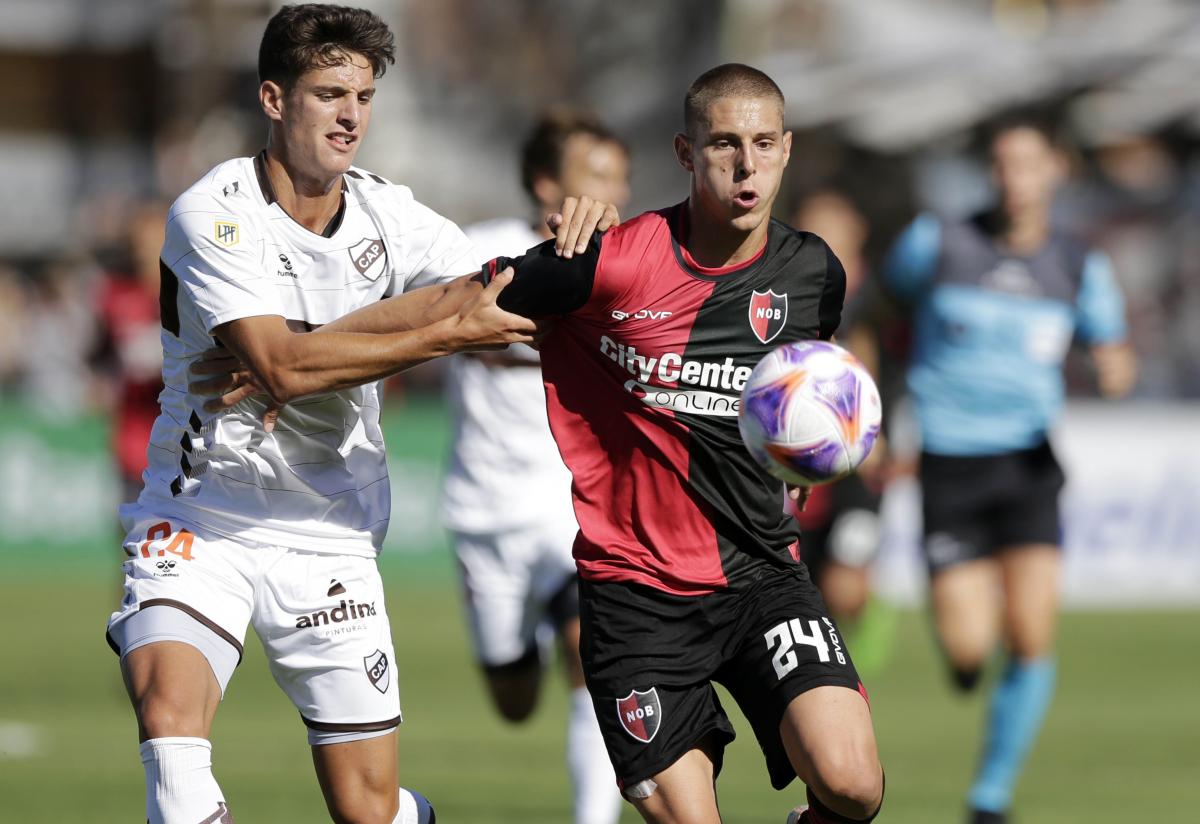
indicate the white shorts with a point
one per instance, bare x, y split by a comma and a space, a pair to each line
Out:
516, 583
321, 620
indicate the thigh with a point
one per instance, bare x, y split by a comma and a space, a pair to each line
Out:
966, 602
497, 575
181, 623
647, 662
1031, 575
827, 734
324, 627
787, 646
684, 792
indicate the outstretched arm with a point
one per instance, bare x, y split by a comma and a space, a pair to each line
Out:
284, 364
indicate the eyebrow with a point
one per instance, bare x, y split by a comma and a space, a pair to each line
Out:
341, 90
735, 136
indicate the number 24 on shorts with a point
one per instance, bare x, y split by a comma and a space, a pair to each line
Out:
783, 638
180, 543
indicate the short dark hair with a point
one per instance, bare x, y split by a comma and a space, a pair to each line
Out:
318, 35
542, 152
726, 80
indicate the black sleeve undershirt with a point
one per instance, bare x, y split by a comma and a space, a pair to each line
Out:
544, 283
829, 311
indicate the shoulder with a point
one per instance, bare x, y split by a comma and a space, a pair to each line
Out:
392, 204
636, 236
217, 207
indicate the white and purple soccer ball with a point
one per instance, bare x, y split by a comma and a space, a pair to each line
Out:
810, 413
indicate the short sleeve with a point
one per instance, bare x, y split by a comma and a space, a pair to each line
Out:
1100, 306
216, 258
833, 296
913, 258
435, 250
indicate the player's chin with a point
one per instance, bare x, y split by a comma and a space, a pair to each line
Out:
744, 220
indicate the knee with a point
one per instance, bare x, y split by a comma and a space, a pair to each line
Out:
161, 716
369, 806
851, 784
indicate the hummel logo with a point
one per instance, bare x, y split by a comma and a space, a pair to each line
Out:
335, 588
286, 271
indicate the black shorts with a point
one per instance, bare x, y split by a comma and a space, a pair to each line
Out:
851, 536
976, 504
650, 659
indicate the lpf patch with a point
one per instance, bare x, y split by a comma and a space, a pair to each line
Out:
369, 257
226, 232
640, 714
378, 671
768, 314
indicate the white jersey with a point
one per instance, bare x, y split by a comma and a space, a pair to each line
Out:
319, 481
505, 469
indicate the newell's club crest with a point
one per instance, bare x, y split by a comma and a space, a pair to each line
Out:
368, 257
768, 314
640, 714
378, 670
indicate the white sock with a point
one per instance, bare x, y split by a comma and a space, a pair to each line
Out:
180, 788
593, 784
414, 809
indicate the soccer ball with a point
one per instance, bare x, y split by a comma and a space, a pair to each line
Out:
810, 413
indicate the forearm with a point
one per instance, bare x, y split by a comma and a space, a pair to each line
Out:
410, 310
304, 364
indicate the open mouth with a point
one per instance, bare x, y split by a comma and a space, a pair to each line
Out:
746, 200
341, 140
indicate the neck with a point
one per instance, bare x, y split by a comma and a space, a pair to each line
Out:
715, 244
1026, 231
311, 202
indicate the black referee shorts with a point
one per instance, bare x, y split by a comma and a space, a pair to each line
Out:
976, 504
650, 659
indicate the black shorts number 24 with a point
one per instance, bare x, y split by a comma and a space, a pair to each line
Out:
782, 640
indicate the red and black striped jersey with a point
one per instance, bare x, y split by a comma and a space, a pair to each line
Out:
643, 372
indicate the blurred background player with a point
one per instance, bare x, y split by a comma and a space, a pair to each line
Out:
840, 523
507, 494
996, 300
128, 349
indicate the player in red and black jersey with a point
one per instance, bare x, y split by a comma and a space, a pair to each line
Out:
689, 569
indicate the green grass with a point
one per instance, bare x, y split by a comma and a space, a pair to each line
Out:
1122, 743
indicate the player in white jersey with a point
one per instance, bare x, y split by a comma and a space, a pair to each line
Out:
513, 541
239, 524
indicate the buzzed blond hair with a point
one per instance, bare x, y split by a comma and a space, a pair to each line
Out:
726, 80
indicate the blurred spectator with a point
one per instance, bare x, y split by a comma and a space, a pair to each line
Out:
58, 336
129, 351
12, 331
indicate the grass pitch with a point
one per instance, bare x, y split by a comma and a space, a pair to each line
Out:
1122, 743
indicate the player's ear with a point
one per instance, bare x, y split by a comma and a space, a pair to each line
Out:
787, 147
547, 191
683, 151
270, 96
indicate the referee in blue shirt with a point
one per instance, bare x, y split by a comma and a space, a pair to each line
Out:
996, 301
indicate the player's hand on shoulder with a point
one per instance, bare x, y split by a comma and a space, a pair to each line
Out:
482, 325
219, 376
579, 219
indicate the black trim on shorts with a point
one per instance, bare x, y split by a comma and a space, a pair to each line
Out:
191, 612
373, 726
